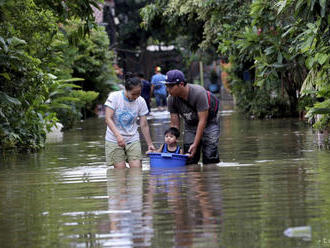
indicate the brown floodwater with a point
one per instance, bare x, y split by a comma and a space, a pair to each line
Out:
272, 176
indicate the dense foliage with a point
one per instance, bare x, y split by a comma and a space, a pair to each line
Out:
92, 60
43, 51
282, 45
130, 34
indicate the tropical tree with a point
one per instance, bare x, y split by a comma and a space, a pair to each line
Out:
177, 23
36, 67
284, 45
311, 29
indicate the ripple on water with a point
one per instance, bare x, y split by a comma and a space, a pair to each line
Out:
271, 178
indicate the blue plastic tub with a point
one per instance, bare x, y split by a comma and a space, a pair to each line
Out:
167, 160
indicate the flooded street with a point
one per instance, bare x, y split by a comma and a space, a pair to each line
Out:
272, 176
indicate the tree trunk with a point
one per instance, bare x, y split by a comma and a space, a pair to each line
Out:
291, 90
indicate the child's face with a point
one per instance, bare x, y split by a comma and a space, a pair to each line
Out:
170, 139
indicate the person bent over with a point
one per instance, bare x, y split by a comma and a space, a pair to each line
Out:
197, 108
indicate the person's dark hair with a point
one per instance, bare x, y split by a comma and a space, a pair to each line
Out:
131, 81
141, 74
174, 131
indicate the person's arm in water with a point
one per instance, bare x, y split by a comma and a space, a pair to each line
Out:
109, 112
202, 120
145, 130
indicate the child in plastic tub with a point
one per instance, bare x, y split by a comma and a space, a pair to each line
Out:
170, 145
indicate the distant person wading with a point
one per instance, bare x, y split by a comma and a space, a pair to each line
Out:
158, 89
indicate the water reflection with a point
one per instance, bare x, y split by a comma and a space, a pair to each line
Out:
247, 141
127, 226
162, 208
185, 214
271, 178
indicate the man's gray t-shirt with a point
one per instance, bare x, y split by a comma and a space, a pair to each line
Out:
197, 102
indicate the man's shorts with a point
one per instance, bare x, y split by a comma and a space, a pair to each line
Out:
115, 154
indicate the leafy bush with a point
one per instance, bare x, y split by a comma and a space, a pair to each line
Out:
37, 64
75, 110
93, 61
32, 101
286, 41
23, 90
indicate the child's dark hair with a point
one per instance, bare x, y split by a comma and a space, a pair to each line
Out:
174, 131
131, 81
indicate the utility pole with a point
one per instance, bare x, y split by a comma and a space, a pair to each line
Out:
201, 73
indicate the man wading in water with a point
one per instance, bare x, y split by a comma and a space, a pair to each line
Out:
199, 109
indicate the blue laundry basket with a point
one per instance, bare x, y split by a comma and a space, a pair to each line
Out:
167, 160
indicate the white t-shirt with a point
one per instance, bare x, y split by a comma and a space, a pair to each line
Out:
125, 116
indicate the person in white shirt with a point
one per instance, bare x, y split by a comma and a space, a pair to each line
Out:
122, 141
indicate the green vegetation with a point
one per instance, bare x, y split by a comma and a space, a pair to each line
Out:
283, 45
54, 66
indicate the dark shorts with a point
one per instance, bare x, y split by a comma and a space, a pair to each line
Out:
208, 145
